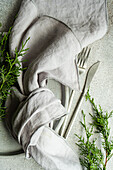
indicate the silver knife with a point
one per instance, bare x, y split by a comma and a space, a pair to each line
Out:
89, 76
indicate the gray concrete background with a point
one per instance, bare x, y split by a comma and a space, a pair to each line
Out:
101, 89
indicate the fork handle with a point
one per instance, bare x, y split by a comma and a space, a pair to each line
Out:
81, 69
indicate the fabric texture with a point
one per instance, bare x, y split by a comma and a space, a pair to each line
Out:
58, 31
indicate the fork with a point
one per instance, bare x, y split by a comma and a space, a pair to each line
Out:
81, 62
82, 59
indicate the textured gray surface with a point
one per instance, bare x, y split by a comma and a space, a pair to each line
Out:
101, 87
8, 11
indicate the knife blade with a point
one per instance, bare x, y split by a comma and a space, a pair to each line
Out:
90, 74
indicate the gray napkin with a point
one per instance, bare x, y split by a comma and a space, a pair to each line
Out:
58, 30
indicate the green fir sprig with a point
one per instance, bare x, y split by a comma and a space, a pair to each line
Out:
10, 68
91, 156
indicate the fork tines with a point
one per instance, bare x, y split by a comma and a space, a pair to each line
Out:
83, 57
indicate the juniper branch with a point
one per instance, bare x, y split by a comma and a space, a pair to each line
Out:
10, 68
91, 156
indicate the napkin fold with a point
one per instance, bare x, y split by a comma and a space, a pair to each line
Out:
58, 30
28, 120
52, 49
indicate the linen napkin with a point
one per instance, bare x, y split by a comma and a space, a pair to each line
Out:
58, 30
51, 54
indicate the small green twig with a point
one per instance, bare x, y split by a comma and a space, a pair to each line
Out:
100, 122
10, 68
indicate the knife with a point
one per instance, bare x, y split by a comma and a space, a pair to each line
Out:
89, 76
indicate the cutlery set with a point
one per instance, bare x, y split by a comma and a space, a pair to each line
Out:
65, 124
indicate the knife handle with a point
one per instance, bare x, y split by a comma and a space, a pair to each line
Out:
74, 115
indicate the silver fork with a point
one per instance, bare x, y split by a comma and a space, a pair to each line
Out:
82, 59
82, 63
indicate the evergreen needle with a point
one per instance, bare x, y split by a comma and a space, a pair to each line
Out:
90, 156
10, 68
